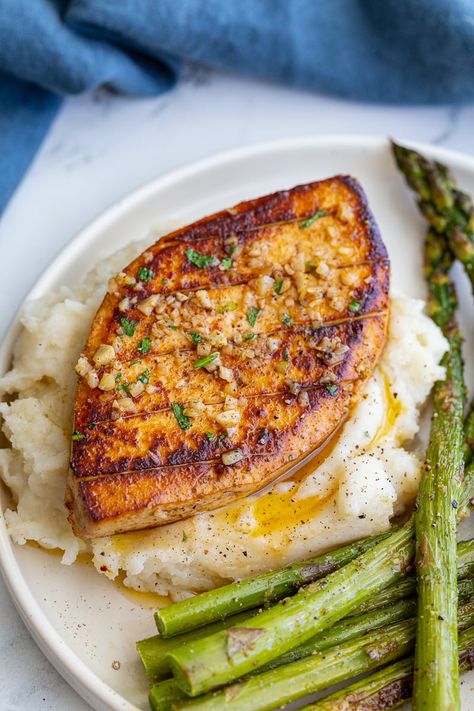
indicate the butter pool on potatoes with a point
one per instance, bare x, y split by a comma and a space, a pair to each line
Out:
354, 485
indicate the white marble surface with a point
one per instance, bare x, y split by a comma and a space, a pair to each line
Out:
102, 147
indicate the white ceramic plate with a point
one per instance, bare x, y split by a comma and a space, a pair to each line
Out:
81, 621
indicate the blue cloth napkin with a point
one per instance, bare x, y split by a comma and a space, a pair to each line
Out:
398, 51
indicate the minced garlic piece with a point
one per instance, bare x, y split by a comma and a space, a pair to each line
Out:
273, 344
218, 340
83, 366
228, 418
92, 379
203, 349
107, 382
203, 297
232, 457
136, 389
231, 403
298, 262
349, 278
323, 269
124, 305
126, 404
226, 373
263, 285
104, 355
193, 408
147, 305
303, 399
120, 279
345, 212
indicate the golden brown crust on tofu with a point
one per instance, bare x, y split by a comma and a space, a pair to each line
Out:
225, 351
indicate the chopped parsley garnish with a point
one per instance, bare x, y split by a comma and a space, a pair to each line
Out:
145, 345
333, 389
128, 326
286, 319
249, 337
195, 337
124, 387
286, 356
277, 286
228, 306
206, 360
221, 438
145, 274
172, 325
211, 436
232, 249
137, 360
144, 377
252, 314
184, 422
165, 281
226, 263
310, 220
201, 260
77, 436
118, 378
309, 267
354, 306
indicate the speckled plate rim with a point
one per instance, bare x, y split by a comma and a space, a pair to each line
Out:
92, 689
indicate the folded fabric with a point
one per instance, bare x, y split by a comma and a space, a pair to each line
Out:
375, 50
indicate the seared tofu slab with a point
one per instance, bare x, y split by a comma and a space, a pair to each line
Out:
224, 353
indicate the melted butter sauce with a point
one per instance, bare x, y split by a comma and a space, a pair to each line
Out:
281, 511
131, 542
277, 512
392, 410
148, 600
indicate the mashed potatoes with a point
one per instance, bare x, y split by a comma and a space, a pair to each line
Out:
351, 489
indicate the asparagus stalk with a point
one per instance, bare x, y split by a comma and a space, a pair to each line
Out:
467, 495
449, 211
461, 232
466, 505
167, 693
436, 677
441, 302
154, 650
229, 654
230, 599
465, 589
469, 435
276, 687
406, 587
390, 686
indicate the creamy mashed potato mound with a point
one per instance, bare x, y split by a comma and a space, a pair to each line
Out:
368, 472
